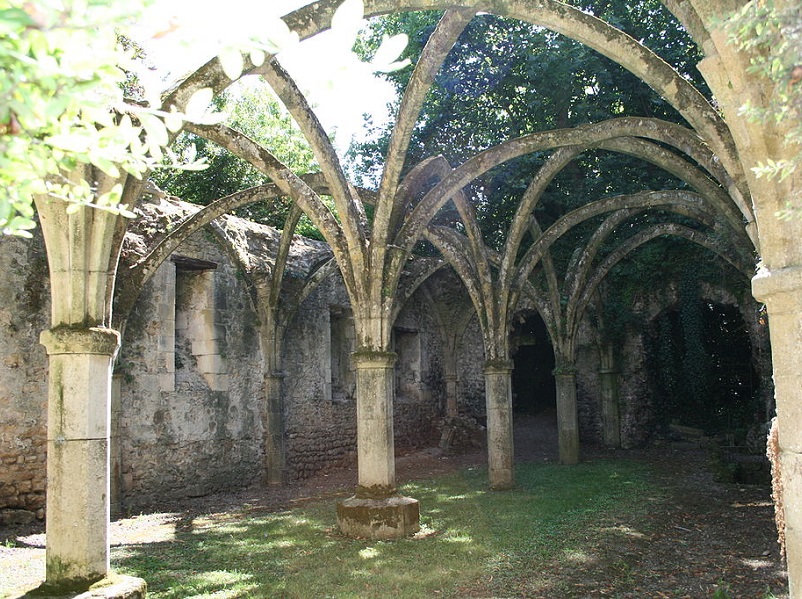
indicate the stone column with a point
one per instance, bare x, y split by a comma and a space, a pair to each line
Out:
781, 291
79, 400
500, 450
115, 449
375, 390
376, 511
273, 428
567, 425
452, 408
611, 418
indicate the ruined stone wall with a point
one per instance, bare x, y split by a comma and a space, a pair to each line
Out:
470, 372
420, 380
320, 428
319, 401
636, 394
190, 377
24, 313
588, 385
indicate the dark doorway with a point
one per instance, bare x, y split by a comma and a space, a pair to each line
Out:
533, 387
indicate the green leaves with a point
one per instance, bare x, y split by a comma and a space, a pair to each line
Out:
772, 36
62, 106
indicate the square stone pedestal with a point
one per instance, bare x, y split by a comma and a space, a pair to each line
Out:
116, 586
387, 518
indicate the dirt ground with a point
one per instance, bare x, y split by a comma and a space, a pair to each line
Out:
702, 536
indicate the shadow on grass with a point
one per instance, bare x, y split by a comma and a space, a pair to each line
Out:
473, 541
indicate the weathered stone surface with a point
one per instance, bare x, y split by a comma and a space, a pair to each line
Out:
24, 311
390, 518
116, 586
9, 517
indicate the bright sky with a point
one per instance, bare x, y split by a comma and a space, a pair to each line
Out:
340, 88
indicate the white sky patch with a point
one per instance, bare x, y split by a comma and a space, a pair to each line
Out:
340, 88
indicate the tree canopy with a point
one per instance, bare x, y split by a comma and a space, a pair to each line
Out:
505, 79
253, 110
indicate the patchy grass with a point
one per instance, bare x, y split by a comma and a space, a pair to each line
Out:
474, 542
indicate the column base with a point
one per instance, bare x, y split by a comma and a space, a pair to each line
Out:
378, 519
116, 586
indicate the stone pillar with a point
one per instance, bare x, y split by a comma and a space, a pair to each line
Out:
781, 291
452, 408
376, 511
611, 418
79, 400
375, 389
567, 424
115, 449
273, 428
498, 397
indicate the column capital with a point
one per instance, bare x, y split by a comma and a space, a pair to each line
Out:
368, 358
70, 339
565, 371
499, 367
780, 289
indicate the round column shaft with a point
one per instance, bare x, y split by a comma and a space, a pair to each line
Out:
500, 450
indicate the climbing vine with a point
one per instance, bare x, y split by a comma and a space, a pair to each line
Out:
698, 356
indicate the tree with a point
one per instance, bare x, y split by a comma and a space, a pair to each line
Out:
506, 78
63, 83
253, 110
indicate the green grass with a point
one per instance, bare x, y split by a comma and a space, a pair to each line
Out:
471, 538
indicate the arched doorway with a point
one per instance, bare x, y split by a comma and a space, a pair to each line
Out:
533, 387
534, 395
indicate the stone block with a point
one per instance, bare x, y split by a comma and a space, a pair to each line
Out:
19, 517
378, 519
86, 414
212, 364
116, 586
78, 509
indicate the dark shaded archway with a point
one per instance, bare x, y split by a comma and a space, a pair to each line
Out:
699, 357
533, 385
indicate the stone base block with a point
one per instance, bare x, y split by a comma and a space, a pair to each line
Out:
379, 519
114, 587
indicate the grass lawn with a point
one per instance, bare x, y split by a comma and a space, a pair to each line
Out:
474, 542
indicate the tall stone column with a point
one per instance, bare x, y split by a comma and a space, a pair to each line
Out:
500, 449
376, 511
567, 422
452, 408
374, 422
79, 403
781, 291
273, 427
611, 417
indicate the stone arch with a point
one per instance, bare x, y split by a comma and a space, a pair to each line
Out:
83, 280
